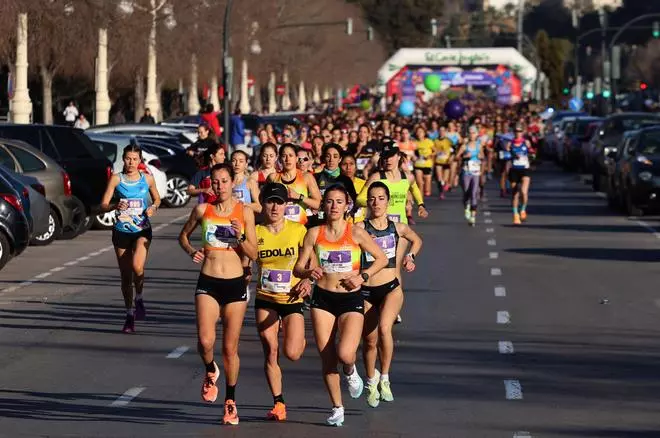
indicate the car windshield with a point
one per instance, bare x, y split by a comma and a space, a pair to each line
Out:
108, 149
650, 143
630, 124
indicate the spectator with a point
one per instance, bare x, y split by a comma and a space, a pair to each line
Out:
147, 118
237, 133
81, 123
210, 117
70, 114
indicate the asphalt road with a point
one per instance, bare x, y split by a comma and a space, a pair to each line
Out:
551, 329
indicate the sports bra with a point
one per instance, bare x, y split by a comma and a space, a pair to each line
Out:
217, 233
241, 192
387, 240
341, 256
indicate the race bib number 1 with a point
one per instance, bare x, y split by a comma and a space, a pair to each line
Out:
336, 261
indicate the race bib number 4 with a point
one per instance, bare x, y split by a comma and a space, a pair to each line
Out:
336, 261
277, 281
387, 244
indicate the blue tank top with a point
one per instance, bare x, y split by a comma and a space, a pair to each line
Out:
453, 138
520, 159
241, 192
472, 165
136, 193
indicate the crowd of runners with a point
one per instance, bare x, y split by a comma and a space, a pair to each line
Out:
325, 215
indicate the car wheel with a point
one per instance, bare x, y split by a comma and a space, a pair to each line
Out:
78, 224
54, 230
5, 250
105, 221
177, 191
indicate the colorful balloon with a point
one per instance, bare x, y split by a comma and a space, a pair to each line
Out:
432, 82
454, 109
365, 105
407, 108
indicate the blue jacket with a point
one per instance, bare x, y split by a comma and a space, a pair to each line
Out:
237, 133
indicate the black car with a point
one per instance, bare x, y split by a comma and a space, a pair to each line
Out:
635, 184
86, 165
14, 226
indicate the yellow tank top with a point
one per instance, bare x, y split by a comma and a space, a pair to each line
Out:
425, 152
442, 150
295, 211
276, 256
361, 212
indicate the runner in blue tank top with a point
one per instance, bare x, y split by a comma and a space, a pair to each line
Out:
131, 236
519, 175
472, 154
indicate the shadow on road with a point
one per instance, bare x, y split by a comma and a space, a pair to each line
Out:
610, 254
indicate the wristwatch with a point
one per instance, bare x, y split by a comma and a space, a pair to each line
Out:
243, 238
411, 255
364, 276
301, 197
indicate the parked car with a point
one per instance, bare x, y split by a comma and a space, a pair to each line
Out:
612, 164
160, 147
635, 185
585, 152
35, 205
553, 126
574, 134
113, 146
66, 211
609, 136
14, 226
88, 169
184, 136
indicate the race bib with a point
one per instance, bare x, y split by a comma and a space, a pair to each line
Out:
238, 194
275, 280
522, 161
336, 261
135, 207
387, 244
474, 167
361, 163
505, 155
396, 218
220, 236
292, 212
441, 157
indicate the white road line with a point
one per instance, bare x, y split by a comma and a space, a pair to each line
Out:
43, 275
486, 213
492, 242
500, 291
493, 255
601, 195
106, 249
522, 435
488, 221
83, 258
495, 272
490, 230
25, 283
58, 269
10, 289
513, 390
71, 263
505, 347
178, 352
126, 397
648, 228
94, 254
503, 317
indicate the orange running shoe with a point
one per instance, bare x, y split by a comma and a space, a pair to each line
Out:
516, 219
278, 413
523, 215
231, 413
209, 390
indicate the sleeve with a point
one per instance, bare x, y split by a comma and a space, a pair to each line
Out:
197, 178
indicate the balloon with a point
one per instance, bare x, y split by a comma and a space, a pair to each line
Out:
507, 74
407, 108
576, 104
454, 109
432, 82
365, 105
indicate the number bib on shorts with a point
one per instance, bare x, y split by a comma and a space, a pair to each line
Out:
276, 280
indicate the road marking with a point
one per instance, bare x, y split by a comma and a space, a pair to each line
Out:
11, 289
500, 291
488, 221
58, 269
94, 254
601, 195
25, 283
83, 258
503, 317
649, 228
495, 272
71, 263
178, 352
492, 242
126, 397
490, 230
493, 255
513, 390
522, 435
43, 275
106, 249
505, 347
486, 213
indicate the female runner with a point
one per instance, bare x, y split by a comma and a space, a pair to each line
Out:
131, 235
245, 189
228, 234
383, 296
267, 160
335, 250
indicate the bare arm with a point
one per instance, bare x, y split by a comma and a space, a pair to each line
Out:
249, 245
189, 227
155, 197
313, 201
300, 270
254, 194
109, 192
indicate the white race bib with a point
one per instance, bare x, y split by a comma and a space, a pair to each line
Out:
361, 163
292, 212
394, 218
474, 167
135, 207
387, 244
276, 280
522, 161
220, 236
336, 261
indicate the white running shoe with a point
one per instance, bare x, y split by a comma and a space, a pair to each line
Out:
355, 384
398, 319
337, 417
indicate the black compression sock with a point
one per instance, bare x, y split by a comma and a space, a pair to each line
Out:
230, 391
210, 367
278, 398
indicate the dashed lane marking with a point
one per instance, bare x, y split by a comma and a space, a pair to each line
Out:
486, 213
488, 221
505, 347
513, 389
177, 352
648, 228
522, 435
500, 291
495, 272
492, 242
127, 397
493, 255
503, 317
490, 230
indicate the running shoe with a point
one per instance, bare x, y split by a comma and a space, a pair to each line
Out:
472, 220
355, 384
373, 396
129, 325
140, 311
516, 219
398, 320
523, 215
278, 413
468, 214
386, 391
337, 417
231, 413
209, 389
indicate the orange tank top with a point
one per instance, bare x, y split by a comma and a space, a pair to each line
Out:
340, 256
295, 211
217, 232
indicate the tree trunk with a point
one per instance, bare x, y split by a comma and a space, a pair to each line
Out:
139, 95
47, 84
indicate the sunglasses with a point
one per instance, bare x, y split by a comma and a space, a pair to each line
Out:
303, 159
288, 135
